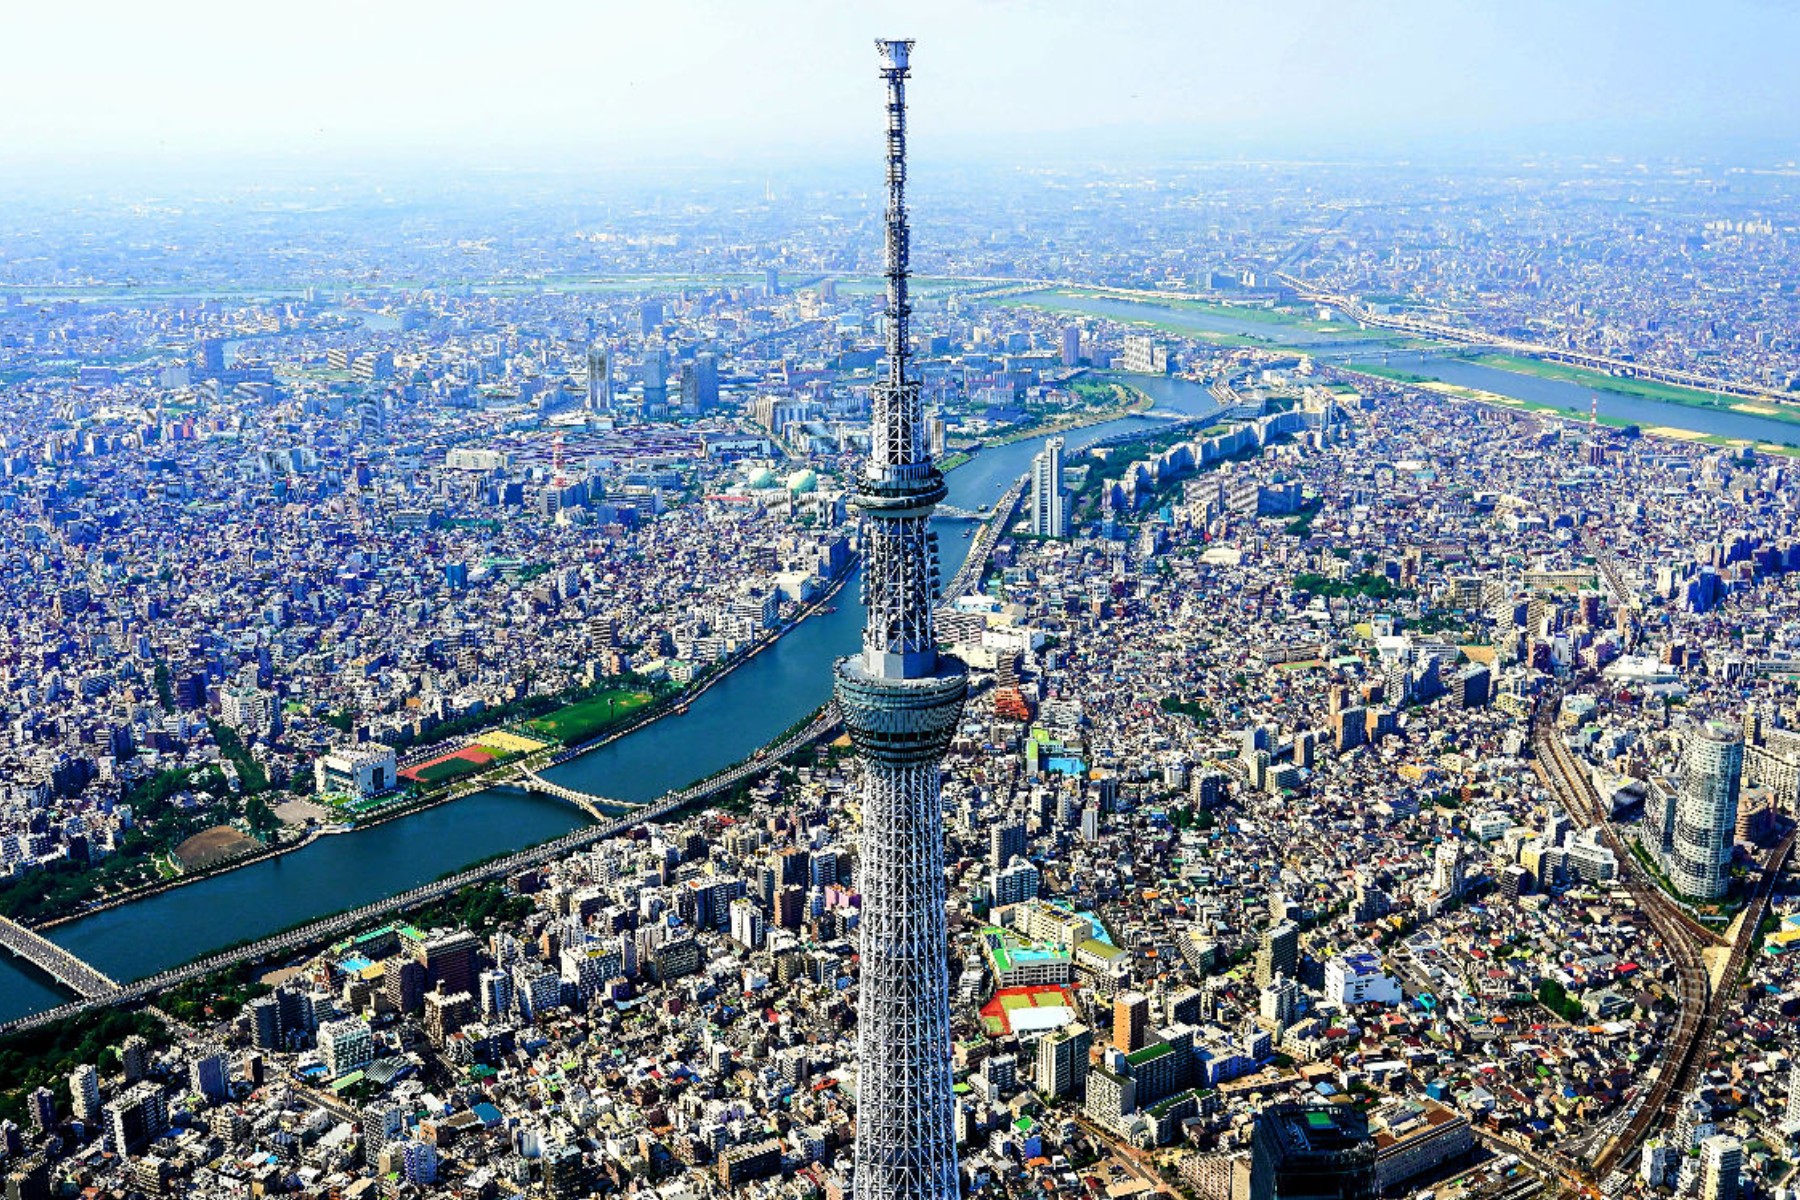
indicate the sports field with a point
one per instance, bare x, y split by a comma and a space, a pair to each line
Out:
583, 719
449, 766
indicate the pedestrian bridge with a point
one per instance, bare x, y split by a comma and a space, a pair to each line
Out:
54, 961
600, 808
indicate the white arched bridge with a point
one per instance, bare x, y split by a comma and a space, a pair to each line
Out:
598, 807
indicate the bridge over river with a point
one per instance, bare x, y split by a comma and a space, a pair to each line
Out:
54, 961
96, 990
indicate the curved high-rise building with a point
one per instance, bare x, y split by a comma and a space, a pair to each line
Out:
1706, 811
901, 701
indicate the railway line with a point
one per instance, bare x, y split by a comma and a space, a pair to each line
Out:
1701, 1006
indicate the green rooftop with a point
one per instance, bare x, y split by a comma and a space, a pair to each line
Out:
1149, 1053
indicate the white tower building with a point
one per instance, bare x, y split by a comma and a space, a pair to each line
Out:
1049, 506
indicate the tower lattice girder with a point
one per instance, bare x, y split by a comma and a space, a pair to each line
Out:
901, 702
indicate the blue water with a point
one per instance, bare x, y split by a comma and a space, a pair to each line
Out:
744, 711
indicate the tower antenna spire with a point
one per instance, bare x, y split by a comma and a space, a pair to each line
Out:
901, 701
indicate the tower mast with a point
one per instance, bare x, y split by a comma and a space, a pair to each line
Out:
901, 702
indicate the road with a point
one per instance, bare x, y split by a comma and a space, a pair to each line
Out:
53, 960
324, 930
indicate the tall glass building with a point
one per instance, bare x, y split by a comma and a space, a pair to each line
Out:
1706, 811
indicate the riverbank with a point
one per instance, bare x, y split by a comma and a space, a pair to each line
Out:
467, 785
1570, 416
1642, 389
182, 880
1137, 407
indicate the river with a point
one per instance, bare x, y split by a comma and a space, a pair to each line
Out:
1577, 398
1351, 344
742, 712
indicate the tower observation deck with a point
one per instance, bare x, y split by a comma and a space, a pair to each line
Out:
901, 701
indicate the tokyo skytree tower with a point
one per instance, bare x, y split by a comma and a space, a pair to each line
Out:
901, 701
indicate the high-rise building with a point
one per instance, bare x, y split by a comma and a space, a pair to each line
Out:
403, 982
1131, 1021
1144, 355
210, 1074
746, 923
1006, 841
1017, 883
84, 1094
382, 1122
137, 1116
1071, 345
1312, 1152
134, 1056
1062, 1060
1279, 954
347, 1045
656, 378
1706, 811
1049, 504
40, 1105
599, 379
901, 702
1721, 1162
449, 961
496, 993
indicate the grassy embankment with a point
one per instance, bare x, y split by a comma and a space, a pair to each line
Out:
1480, 396
1641, 389
1172, 323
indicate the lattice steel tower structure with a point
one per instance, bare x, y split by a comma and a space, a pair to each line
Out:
901, 701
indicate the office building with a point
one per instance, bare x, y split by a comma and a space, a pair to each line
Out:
656, 381
1312, 1151
1413, 1139
359, 773
599, 379
1352, 979
1706, 811
449, 961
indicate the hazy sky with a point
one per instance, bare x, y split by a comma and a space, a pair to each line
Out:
674, 80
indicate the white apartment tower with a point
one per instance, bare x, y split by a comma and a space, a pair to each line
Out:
1049, 505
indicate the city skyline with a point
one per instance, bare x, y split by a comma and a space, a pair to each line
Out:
1206, 619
